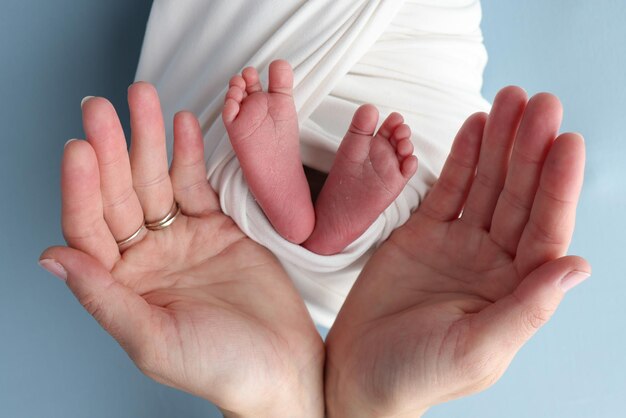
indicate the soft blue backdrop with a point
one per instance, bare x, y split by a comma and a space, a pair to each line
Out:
56, 362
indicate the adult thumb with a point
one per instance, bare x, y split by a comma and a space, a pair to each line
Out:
512, 320
119, 310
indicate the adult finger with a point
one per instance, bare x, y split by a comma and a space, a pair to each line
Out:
82, 213
498, 137
549, 229
148, 154
122, 210
447, 196
537, 131
188, 172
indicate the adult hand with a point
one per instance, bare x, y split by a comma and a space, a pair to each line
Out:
197, 305
443, 306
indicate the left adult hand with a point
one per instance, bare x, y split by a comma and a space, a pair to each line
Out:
196, 305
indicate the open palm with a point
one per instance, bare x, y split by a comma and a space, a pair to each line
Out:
443, 306
197, 305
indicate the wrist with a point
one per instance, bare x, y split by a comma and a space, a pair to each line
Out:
287, 405
347, 408
300, 397
345, 399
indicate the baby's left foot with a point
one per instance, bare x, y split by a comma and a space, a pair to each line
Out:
263, 130
368, 173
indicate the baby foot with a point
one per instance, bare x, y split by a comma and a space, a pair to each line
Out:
263, 130
368, 173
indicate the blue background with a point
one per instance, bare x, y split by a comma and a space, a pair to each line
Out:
56, 362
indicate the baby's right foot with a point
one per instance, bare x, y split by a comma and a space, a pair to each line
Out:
368, 174
263, 130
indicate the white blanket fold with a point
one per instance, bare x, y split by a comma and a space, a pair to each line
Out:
422, 58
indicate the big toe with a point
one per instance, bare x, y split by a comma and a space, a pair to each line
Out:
364, 120
280, 77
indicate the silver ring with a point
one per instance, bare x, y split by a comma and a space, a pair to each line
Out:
126, 241
167, 220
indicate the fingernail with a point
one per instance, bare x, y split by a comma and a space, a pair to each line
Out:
82, 102
54, 268
573, 279
74, 139
578, 134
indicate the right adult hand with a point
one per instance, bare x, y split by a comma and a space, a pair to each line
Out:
441, 308
198, 305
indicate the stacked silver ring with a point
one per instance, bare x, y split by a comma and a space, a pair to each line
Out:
163, 223
167, 220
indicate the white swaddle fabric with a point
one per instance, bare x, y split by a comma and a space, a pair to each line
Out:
424, 59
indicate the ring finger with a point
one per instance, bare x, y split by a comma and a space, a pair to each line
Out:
122, 210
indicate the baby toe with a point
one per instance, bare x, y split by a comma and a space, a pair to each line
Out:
251, 77
230, 111
237, 81
389, 125
400, 133
404, 148
232, 103
408, 166
234, 93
